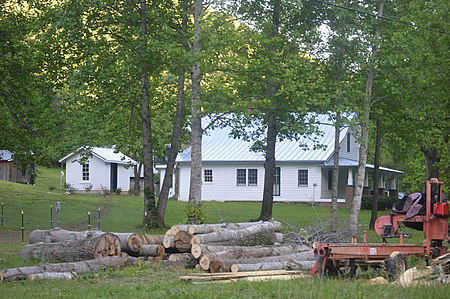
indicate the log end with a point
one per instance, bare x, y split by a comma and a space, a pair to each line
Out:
196, 250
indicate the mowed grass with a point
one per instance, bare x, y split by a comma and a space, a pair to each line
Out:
120, 213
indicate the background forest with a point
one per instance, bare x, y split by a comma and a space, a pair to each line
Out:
140, 75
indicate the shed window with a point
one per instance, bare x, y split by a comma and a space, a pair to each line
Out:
241, 177
253, 177
85, 172
208, 175
303, 177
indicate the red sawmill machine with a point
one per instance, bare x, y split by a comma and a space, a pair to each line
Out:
335, 258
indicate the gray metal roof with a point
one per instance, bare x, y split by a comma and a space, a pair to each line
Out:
217, 145
351, 163
109, 155
6, 155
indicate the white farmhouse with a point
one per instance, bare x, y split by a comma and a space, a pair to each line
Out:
232, 172
99, 169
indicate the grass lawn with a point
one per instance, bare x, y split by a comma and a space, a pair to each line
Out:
124, 214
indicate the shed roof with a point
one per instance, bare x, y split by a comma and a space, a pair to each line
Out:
218, 145
6, 155
108, 155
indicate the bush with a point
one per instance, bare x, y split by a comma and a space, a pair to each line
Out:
384, 202
118, 191
69, 188
195, 215
88, 187
51, 187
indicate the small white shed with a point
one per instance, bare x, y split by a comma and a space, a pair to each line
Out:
97, 169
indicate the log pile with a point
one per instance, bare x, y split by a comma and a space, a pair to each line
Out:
229, 247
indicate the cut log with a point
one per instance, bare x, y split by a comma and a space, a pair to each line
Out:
72, 251
285, 265
52, 275
224, 265
130, 242
169, 241
259, 267
250, 252
154, 239
183, 241
210, 228
61, 235
80, 267
186, 259
149, 250
261, 229
178, 227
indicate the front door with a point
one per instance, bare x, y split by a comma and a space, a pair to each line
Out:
113, 176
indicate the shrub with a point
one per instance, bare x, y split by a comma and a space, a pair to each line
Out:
51, 187
118, 191
384, 202
195, 214
69, 188
88, 187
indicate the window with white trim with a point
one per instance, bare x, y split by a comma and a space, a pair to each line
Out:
303, 177
208, 175
253, 177
85, 172
241, 177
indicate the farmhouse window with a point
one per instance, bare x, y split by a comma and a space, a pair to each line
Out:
253, 177
85, 172
208, 175
303, 177
330, 179
277, 182
241, 177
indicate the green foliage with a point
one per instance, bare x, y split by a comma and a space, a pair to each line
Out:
195, 214
384, 202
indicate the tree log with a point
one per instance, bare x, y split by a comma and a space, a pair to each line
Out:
150, 250
169, 241
210, 228
250, 252
72, 251
61, 235
130, 243
259, 267
154, 239
263, 228
178, 227
183, 241
52, 275
80, 267
186, 259
224, 265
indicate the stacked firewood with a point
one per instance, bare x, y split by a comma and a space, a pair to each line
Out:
228, 247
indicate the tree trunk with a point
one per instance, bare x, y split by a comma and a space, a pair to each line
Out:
269, 165
61, 235
355, 208
186, 259
431, 162
109, 262
195, 187
150, 250
376, 175
266, 266
176, 132
137, 178
335, 182
240, 234
150, 212
72, 251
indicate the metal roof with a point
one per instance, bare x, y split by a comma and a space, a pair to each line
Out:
351, 163
109, 155
218, 145
6, 155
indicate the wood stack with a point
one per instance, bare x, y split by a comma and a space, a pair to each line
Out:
228, 247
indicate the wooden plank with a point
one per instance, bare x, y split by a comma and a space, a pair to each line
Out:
238, 274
